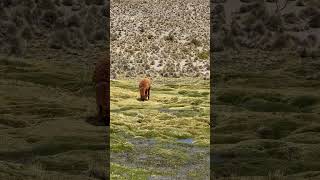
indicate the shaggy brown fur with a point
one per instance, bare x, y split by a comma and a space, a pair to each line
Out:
144, 87
102, 82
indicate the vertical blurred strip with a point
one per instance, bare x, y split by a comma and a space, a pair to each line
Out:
264, 89
212, 85
108, 94
48, 123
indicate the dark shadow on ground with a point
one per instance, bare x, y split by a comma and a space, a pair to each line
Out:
93, 120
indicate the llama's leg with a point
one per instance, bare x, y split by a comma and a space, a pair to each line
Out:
100, 114
149, 93
107, 120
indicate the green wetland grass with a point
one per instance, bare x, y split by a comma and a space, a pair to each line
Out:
165, 137
43, 122
267, 117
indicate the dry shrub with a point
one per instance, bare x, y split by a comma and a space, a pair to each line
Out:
300, 3
27, 14
8, 28
315, 21
9, 3
67, 2
89, 24
274, 23
68, 38
36, 13
259, 27
100, 35
4, 16
77, 38
60, 23
104, 11
59, 39
28, 3
291, 18
308, 12
312, 39
46, 5
95, 2
17, 46
282, 40
19, 21
57, 2
26, 33
49, 18
74, 21
94, 11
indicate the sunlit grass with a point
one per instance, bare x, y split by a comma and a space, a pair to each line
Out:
177, 109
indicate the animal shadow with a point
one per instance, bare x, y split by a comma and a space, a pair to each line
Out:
139, 99
93, 120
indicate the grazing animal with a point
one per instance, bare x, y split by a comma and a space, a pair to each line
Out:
144, 87
101, 78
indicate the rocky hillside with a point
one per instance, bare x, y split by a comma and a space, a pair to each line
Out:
258, 24
160, 38
51, 24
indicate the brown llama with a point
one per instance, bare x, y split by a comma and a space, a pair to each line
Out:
144, 87
102, 85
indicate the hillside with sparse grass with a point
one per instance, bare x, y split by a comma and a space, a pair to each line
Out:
56, 27
160, 38
246, 24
